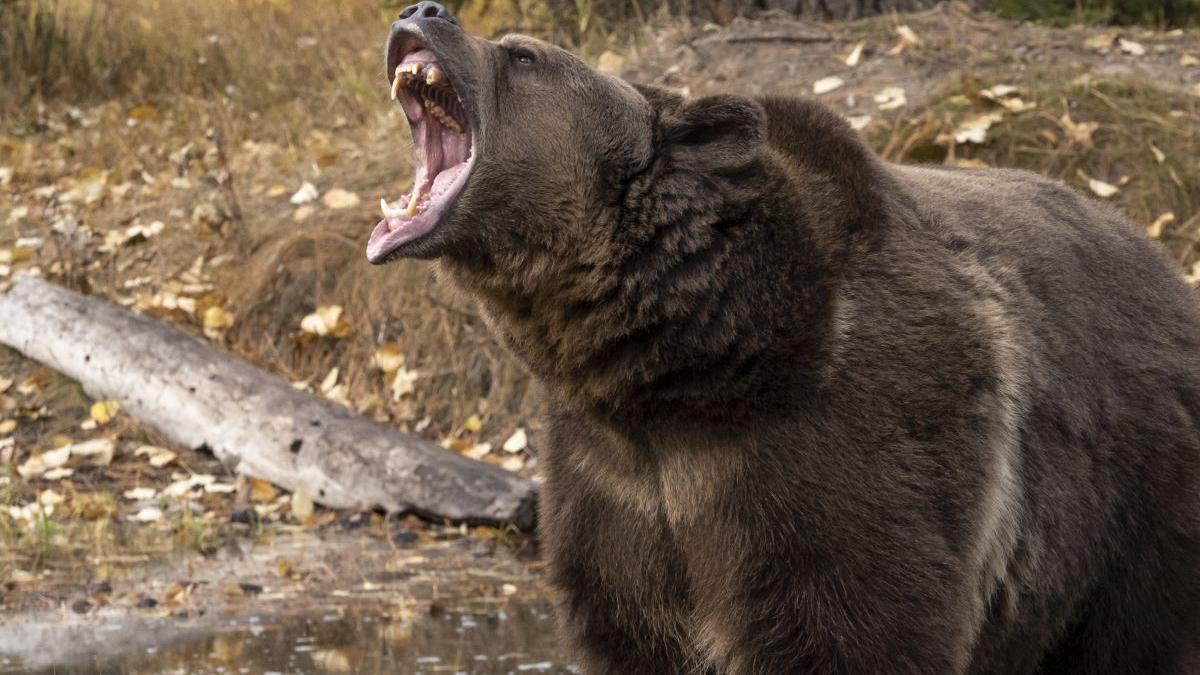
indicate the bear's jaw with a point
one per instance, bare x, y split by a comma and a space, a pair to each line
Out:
443, 143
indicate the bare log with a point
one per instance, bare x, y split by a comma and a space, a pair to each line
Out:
254, 422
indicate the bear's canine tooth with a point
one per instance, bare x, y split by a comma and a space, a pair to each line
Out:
411, 210
388, 210
397, 84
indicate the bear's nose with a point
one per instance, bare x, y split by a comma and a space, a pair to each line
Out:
427, 10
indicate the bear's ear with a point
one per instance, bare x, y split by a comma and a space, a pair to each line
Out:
718, 130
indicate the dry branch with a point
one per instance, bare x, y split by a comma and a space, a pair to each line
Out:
254, 422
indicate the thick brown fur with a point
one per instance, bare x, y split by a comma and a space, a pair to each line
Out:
811, 412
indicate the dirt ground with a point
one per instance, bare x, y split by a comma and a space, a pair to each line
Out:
201, 216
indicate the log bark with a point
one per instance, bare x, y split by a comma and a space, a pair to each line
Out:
254, 422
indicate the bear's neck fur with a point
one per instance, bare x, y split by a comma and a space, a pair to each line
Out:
684, 298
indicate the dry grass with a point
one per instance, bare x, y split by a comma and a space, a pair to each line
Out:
261, 54
1134, 117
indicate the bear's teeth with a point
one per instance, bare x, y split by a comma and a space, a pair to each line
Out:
388, 210
411, 210
397, 85
442, 116
434, 75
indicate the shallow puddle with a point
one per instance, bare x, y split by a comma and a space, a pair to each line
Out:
355, 606
517, 639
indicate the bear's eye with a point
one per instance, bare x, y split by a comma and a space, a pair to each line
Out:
522, 56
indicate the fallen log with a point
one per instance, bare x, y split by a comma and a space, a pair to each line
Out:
254, 422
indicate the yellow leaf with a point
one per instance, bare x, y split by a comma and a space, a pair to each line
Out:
302, 504
1156, 228
261, 491
216, 319
388, 357
8, 426
143, 113
404, 383
104, 411
1159, 155
325, 321
855, 56
516, 442
473, 424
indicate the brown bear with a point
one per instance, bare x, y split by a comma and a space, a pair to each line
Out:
809, 411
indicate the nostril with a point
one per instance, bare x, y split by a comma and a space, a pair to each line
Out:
427, 10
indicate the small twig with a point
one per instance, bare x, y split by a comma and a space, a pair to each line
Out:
226, 181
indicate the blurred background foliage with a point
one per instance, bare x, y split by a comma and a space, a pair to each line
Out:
89, 49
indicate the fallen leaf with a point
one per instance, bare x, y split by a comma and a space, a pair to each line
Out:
1102, 40
326, 321
261, 491
1188, 60
516, 442
404, 384
97, 452
859, 122
891, 98
473, 424
39, 464
1130, 47
149, 514
216, 320
276, 191
8, 426
158, 457
330, 380
338, 198
512, 463
50, 498
827, 84
186, 485
1101, 188
1079, 132
908, 38
104, 411
477, 451
999, 91
58, 474
302, 214
855, 56
508, 589
388, 357
143, 113
332, 660
1159, 155
1156, 228
140, 494
974, 129
302, 504
307, 193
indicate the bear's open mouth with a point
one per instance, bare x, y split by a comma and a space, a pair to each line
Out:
443, 141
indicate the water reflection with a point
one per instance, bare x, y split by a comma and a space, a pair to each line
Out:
518, 638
